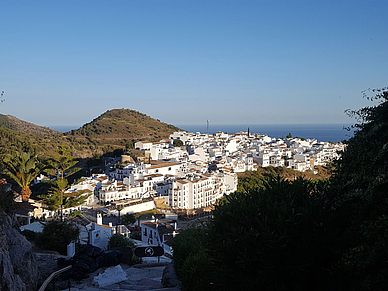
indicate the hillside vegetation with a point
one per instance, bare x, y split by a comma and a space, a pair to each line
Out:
114, 129
11, 122
279, 233
118, 124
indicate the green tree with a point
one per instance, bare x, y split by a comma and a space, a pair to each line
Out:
57, 235
128, 218
271, 238
192, 260
62, 165
57, 197
118, 240
119, 208
177, 143
23, 168
358, 200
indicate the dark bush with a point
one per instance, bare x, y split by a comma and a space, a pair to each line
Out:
118, 240
136, 235
192, 261
30, 235
57, 235
271, 239
7, 202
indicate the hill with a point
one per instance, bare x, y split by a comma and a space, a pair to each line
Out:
114, 129
119, 124
14, 123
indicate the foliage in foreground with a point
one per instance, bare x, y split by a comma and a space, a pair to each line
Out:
192, 261
304, 235
359, 200
272, 239
57, 235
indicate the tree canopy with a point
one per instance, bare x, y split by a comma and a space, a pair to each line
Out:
177, 143
62, 165
23, 168
302, 234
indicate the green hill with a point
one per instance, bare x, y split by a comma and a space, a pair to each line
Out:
11, 122
119, 124
114, 129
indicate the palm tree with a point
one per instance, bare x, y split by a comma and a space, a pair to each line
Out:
23, 169
119, 208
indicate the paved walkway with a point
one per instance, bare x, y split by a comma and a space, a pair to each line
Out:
145, 278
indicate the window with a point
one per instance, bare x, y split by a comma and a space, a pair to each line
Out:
145, 232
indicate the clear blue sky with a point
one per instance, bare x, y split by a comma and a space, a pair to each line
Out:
233, 62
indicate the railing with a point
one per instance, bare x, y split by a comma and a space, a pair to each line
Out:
51, 277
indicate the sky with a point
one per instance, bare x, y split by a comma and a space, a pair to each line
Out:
184, 62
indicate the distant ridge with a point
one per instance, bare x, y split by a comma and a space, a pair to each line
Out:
14, 123
124, 124
114, 129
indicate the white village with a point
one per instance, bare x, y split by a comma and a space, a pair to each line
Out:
166, 187
185, 179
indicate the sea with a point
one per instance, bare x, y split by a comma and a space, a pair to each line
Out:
321, 132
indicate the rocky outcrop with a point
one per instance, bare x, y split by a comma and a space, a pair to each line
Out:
18, 269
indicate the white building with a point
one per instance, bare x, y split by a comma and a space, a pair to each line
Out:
143, 145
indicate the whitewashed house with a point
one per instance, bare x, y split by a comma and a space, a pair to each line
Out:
143, 145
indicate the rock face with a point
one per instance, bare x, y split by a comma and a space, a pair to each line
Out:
18, 269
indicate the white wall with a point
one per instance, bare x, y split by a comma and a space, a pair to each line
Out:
136, 208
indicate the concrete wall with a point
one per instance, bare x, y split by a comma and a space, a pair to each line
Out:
136, 208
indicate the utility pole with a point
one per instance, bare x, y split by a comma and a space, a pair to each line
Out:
207, 121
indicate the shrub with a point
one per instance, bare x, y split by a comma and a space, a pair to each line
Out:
30, 235
271, 238
57, 235
128, 218
136, 235
7, 202
118, 240
177, 143
191, 259
359, 201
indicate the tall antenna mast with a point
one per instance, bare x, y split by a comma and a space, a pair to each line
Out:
207, 121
